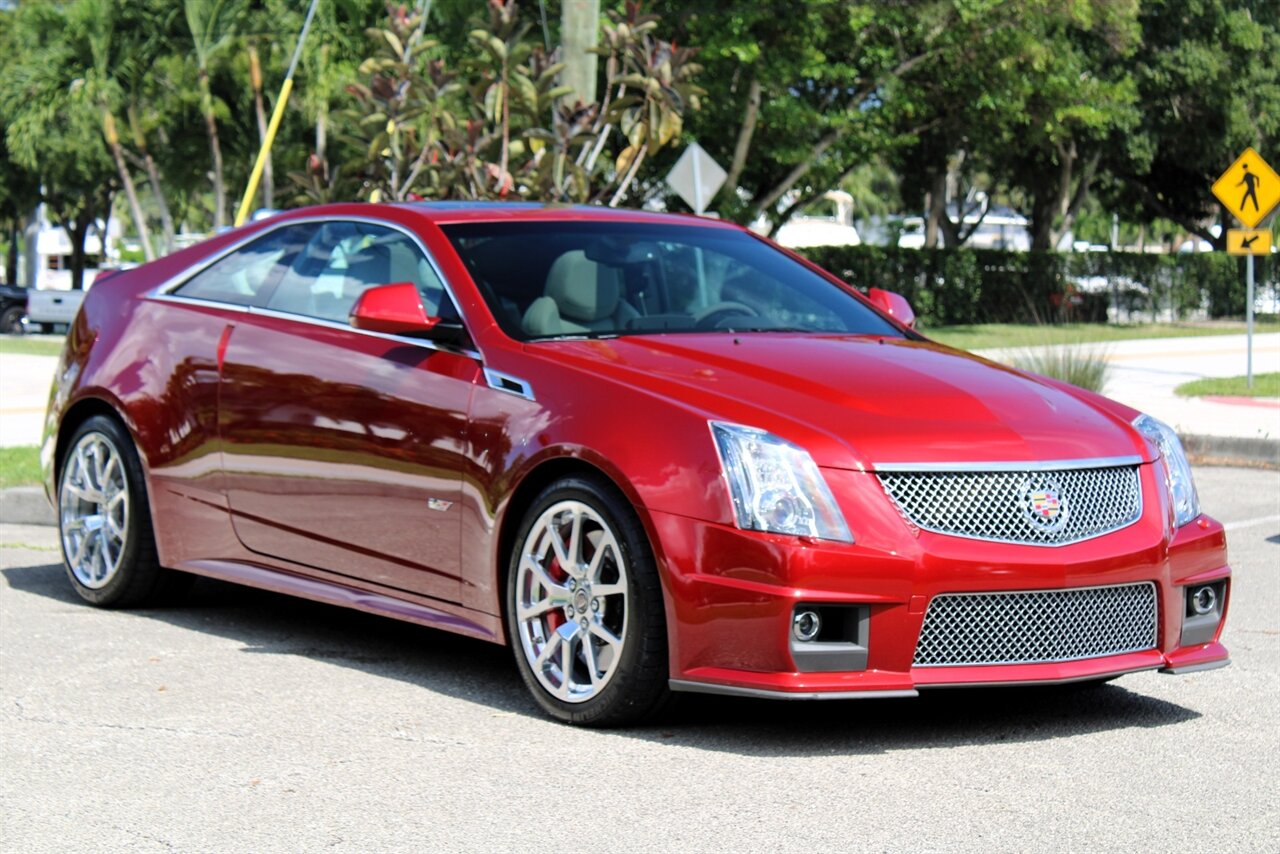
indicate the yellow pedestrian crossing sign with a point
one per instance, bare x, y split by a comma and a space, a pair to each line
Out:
1248, 241
1249, 188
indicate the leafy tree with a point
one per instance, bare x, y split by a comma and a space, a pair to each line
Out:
1080, 100
53, 124
510, 132
1049, 105
1019, 101
18, 187
798, 93
1207, 75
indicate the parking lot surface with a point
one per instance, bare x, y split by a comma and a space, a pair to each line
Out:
246, 721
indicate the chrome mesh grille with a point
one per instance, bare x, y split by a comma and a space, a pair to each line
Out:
1037, 626
1013, 507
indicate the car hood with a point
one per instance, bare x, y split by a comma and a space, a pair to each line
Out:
857, 401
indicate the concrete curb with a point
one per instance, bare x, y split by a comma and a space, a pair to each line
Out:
26, 505
1232, 451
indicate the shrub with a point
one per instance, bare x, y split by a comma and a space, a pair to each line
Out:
964, 286
1078, 364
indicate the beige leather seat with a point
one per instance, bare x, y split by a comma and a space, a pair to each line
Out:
580, 296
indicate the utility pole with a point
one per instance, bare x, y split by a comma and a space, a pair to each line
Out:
579, 33
276, 115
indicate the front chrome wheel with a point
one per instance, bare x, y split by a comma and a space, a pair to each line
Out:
93, 507
571, 601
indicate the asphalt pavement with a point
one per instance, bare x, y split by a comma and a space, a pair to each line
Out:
246, 721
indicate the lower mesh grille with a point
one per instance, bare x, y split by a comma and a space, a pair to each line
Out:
1037, 626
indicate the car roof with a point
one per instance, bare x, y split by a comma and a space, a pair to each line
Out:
472, 211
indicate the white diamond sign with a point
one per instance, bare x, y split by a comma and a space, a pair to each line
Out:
696, 178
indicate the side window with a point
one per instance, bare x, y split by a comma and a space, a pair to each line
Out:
344, 259
247, 272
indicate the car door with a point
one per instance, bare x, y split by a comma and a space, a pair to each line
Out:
342, 449
184, 324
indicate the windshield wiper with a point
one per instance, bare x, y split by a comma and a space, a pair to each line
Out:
579, 336
770, 328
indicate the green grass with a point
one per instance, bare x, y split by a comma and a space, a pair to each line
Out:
19, 466
31, 547
1264, 385
986, 336
25, 345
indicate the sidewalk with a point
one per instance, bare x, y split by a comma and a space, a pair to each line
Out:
24, 395
1144, 374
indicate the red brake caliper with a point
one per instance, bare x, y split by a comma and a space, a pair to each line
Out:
555, 619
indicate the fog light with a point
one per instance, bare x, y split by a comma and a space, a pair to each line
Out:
806, 625
1204, 600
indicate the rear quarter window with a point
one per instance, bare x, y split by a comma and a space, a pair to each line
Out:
240, 277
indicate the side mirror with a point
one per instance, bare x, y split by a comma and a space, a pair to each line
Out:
893, 304
395, 309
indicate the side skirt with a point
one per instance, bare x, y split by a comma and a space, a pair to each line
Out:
455, 619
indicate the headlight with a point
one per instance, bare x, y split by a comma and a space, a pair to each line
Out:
1182, 488
775, 485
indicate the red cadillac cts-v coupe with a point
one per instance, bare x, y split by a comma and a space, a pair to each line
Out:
652, 453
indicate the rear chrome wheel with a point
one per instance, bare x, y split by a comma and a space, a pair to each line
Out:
93, 508
104, 521
584, 607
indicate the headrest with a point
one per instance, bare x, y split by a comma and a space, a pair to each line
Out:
584, 290
370, 266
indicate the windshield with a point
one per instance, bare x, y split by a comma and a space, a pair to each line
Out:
593, 279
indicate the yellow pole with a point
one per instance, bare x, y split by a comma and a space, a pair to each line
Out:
256, 175
276, 115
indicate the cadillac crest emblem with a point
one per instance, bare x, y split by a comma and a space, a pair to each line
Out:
1043, 505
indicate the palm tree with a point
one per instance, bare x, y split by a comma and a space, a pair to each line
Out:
212, 24
95, 19
259, 108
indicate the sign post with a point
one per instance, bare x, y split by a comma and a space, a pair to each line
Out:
697, 178
1260, 193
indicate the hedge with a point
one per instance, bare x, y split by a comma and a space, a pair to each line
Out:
961, 286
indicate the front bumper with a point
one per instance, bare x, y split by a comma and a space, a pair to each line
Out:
732, 596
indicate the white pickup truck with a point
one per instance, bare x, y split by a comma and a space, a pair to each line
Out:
48, 310
51, 303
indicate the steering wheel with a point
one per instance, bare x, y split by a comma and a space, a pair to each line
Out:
715, 314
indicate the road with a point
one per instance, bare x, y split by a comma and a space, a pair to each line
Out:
245, 721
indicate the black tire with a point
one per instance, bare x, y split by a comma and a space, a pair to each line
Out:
636, 685
11, 320
138, 578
